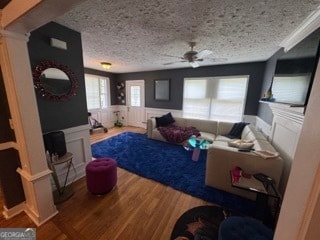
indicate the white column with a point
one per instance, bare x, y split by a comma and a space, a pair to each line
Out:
35, 175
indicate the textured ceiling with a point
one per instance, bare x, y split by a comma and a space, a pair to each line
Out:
136, 35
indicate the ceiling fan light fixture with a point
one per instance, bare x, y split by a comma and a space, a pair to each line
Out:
194, 57
106, 65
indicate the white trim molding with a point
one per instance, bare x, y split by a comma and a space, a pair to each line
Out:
11, 212
285, 133
17, 76
8, 145
310, 24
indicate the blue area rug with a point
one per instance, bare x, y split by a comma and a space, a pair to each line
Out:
168, 164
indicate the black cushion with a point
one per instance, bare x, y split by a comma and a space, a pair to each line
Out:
236, 130
164, 120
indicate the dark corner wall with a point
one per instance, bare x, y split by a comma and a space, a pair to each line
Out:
113, 82
176, 76
264, 111
302, 58
10, 180
55, 115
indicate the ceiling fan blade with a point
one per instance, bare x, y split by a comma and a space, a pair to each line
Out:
203, 53
194, 64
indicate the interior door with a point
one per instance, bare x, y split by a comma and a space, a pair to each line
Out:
135, 103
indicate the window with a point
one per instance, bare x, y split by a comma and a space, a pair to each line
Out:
291, 88
215, 98
135, 96
97, 91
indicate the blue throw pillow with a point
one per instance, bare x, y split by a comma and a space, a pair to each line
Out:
236, 130
164, 120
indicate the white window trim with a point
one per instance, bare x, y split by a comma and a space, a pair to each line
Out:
108, 98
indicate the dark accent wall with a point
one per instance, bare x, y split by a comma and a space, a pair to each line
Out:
6, 133
113, 82
302, 58
10, 180
56, 115
176, 76
264, 111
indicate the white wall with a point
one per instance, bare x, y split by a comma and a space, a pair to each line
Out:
284, 134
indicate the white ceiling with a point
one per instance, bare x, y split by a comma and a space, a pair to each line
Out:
136, 35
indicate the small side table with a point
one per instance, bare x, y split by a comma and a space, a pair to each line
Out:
63, 192
264, 192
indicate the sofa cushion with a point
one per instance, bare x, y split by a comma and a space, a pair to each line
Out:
207, 136
223, 138
165, 120
220, 143
224, 128
251, 133
203, 125
236, 130
263, 145
246, 131
181, 122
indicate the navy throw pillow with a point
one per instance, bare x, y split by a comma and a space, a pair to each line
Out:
236, 130
164, 120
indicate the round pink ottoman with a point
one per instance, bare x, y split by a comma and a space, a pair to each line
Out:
101, 175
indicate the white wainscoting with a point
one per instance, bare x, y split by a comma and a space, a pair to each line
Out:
284, 134
123, 114
107, 116
78, 143
157, 112
286, 128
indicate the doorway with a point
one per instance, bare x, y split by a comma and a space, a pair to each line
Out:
135, 103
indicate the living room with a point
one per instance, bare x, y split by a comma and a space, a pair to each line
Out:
256, 88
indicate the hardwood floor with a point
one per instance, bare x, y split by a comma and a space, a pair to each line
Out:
137, 208
99, 135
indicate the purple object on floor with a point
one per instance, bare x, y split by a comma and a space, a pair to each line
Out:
101, 175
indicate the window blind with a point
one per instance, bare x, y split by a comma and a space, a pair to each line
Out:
215, 98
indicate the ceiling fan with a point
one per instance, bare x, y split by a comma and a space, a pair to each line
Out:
194, 57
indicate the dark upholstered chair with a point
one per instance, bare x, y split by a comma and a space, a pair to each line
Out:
244, 228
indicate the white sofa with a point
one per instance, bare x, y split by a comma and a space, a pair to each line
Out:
221, 158
208, 129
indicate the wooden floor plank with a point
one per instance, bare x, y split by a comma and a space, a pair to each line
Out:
137, 208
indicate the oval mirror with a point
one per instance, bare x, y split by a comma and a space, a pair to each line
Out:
54, 81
